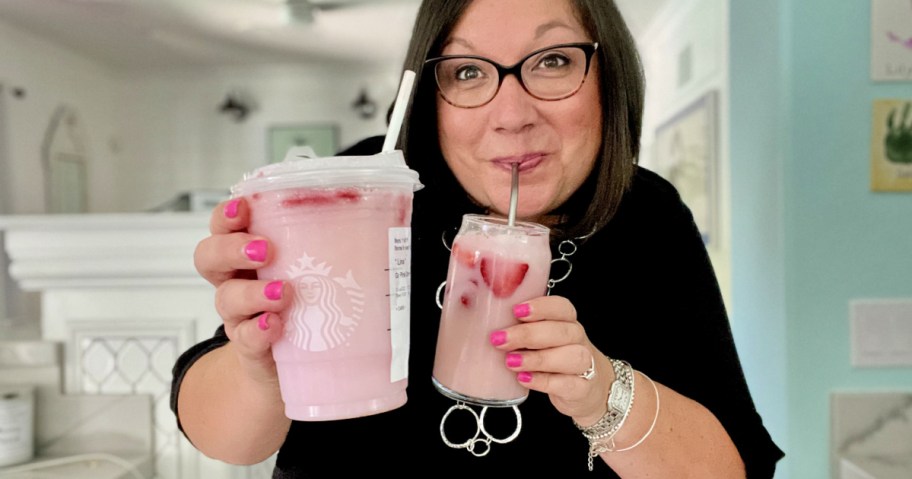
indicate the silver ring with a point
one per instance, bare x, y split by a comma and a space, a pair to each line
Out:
470, 443
589, 373
488, 435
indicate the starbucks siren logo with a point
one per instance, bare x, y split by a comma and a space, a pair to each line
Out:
326, 309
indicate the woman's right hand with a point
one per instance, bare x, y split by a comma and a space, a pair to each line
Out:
249, 307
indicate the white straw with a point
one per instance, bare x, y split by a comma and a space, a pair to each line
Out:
405, 92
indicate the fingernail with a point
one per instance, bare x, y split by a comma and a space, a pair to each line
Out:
498, 337
231, 208
514, 360
273, 290
262, 322
256, 250
521, 310
524, 377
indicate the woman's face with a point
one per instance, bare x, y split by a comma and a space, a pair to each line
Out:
555, 142
310, 288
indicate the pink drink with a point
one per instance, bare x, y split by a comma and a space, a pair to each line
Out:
492, 268
346, 252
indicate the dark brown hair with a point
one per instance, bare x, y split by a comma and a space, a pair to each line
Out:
621, 89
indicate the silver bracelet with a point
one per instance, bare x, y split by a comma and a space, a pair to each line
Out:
620, 402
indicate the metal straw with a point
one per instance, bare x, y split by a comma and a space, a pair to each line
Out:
514, 195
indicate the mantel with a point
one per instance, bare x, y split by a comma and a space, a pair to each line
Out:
122, 295
103, 250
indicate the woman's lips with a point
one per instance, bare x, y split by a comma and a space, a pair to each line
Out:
525, 162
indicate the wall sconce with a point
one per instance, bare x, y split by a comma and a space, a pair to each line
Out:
364, 105
237, 106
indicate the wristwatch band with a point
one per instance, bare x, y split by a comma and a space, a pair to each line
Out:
620, 401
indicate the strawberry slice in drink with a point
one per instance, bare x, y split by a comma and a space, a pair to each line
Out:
465, 257
503, 276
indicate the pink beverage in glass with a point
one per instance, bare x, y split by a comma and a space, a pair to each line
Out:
492, 267
342, 240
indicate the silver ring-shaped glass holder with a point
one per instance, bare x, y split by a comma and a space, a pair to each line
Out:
473, 442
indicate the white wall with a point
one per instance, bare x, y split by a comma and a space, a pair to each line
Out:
150, 136
173, 139
51, 75
5, 283
701, 25
153, 135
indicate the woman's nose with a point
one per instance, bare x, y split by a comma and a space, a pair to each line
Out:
513, 109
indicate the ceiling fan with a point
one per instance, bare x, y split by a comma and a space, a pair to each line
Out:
304, 11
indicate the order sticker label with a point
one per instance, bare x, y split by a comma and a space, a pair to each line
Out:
400, 281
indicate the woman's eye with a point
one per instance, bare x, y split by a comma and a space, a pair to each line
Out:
553, 60
468, 73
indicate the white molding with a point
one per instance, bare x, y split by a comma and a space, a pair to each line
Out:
112, 276
116, 250
182, 330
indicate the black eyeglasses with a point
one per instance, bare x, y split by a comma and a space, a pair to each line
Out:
551, 73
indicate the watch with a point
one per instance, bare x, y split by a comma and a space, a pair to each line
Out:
620, 401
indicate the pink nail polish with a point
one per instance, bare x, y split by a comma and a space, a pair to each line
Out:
231, 208
524, 377
514, 360
256, 250
262, 322
521, 310
498, 337
273, 290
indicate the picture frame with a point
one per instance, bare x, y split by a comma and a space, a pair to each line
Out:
64, 159
323, 138
891, 40
891, 145
686, 154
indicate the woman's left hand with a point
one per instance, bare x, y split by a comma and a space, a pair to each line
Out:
550, 351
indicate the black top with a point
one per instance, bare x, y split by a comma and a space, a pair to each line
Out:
644, 290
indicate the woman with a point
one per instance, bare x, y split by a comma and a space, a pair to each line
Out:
641, 287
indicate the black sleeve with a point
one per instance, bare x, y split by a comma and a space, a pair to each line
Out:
187, 359
656, 287
703, 363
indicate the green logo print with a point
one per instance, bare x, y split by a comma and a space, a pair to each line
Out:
898, 144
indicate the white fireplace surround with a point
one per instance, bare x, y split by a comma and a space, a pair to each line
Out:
121, 294
117, 250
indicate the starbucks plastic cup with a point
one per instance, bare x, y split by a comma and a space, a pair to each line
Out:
341, 232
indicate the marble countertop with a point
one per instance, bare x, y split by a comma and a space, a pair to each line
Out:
84, 466
875, 467
872, 435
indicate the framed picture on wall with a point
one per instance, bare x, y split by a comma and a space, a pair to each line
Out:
686, 154
65, 161
323, 138
891, 145
891, 40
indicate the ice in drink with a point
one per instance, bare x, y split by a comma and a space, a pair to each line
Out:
341, 238
492, 267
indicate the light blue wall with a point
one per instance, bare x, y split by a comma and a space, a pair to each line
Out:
808, 234
842, 240
758, 146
